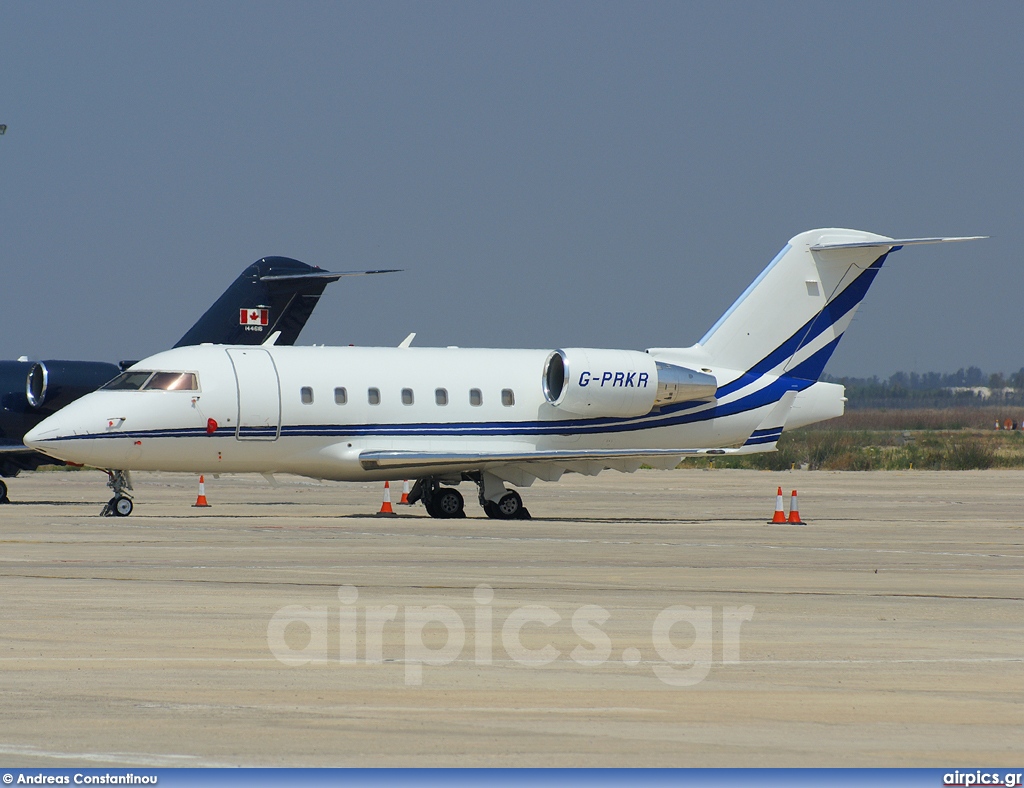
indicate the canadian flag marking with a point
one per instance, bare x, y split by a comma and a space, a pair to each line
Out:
253, 317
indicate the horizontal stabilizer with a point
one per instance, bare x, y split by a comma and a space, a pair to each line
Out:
327, 276
893, 242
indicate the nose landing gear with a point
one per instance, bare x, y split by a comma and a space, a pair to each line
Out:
121, 504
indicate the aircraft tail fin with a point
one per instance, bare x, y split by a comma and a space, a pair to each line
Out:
791, 318
274, 294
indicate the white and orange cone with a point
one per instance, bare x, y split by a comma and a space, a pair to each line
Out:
201, 500
385, 507
404, 500
780, 514
794, 511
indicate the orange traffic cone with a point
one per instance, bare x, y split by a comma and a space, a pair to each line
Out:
404, 500
780, 515
794, 513
201, 500
385, 508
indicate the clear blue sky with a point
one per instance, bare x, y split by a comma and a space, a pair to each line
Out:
548, 173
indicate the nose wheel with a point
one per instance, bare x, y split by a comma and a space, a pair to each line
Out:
3, 493
121, 504
118, 506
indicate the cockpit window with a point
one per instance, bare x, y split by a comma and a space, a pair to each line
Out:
173, 381
128, 381
153, 381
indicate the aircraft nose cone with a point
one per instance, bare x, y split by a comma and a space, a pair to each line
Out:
41, 436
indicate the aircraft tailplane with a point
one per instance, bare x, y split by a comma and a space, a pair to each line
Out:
791, 318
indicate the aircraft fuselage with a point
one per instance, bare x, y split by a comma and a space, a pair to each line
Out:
313, 410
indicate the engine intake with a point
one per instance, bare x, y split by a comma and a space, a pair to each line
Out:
618, 383
54, 384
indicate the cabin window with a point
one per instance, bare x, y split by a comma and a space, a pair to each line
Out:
407, 398
441, 396
476, 398
373, 396
340, 396
307, 395
508, 398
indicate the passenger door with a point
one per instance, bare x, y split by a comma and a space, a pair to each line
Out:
259, 394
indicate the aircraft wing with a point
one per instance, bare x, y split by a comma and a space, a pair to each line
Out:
521, 468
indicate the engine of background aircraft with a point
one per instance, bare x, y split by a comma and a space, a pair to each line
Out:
53, 384
618, 383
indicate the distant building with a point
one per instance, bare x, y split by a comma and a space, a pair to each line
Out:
983, 391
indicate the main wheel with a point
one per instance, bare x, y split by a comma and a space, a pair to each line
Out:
3, 493
448, 502
123, 506
491, 510
509, 506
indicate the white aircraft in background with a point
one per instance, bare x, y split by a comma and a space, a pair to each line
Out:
491, 416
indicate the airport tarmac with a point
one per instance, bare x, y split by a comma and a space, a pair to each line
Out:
652, 619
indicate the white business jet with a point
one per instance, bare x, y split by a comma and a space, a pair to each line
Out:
491, 416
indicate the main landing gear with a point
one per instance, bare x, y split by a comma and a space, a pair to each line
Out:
8, 469
445, 503
509, 507
121, 504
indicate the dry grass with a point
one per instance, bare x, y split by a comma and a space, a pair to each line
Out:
927, 439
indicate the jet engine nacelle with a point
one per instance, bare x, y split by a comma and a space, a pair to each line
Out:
54, 384
618, 383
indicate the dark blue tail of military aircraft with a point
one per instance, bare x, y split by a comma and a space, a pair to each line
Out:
274, 294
